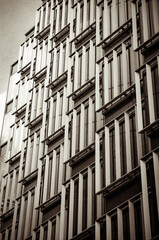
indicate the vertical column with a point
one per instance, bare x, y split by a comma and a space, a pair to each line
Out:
117, 150
39, 99
28, 160
41, 232
108, 227
58, 18
145, 20
53, 175
33, 104
36, 23
24, 54
107, 157
71, 207
57, 111
132, 220
98, 15
97, 164
21, 219
34, 154
91, 60
61, 64
50, 127
97, 231
106, 81
43, 55
45, 188
150, 94
74, 132
63, 14
62, 217
125, 66
114, 15
7, 193
28, 216
66, 139
146, 210
85, 17
90, 121
115, 73
13, 189
49, 230
64, 104
60, 168
82, 133
120, 224
89, 199
139, 139
106, 19
14, 220
80, 203
20, 58
55, 65
78, 19
76, 72
41, 19
67, 58
138, 101
46, 15
97, 88
128, 142
134, 25
155, 10
57, 227
83, 79
92, 11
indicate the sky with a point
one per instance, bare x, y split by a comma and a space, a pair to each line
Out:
16, 18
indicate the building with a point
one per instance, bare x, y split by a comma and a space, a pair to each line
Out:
79, 147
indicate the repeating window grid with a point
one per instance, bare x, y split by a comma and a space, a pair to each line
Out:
52, 181
124, 222
18, 130
26, 215
119, 148
115, 13
43, 17
56, 117
41, 55
83, 65
49, 230
37, 100
82, 131
82, 202
147, 88
32, 153
60, 16
59, 59
84, 15
114, 82
8, 192
25, 53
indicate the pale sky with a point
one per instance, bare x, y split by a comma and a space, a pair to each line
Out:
16, 18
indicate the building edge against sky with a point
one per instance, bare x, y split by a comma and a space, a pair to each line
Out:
79, 154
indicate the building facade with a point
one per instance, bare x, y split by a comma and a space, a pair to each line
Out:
80, 148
